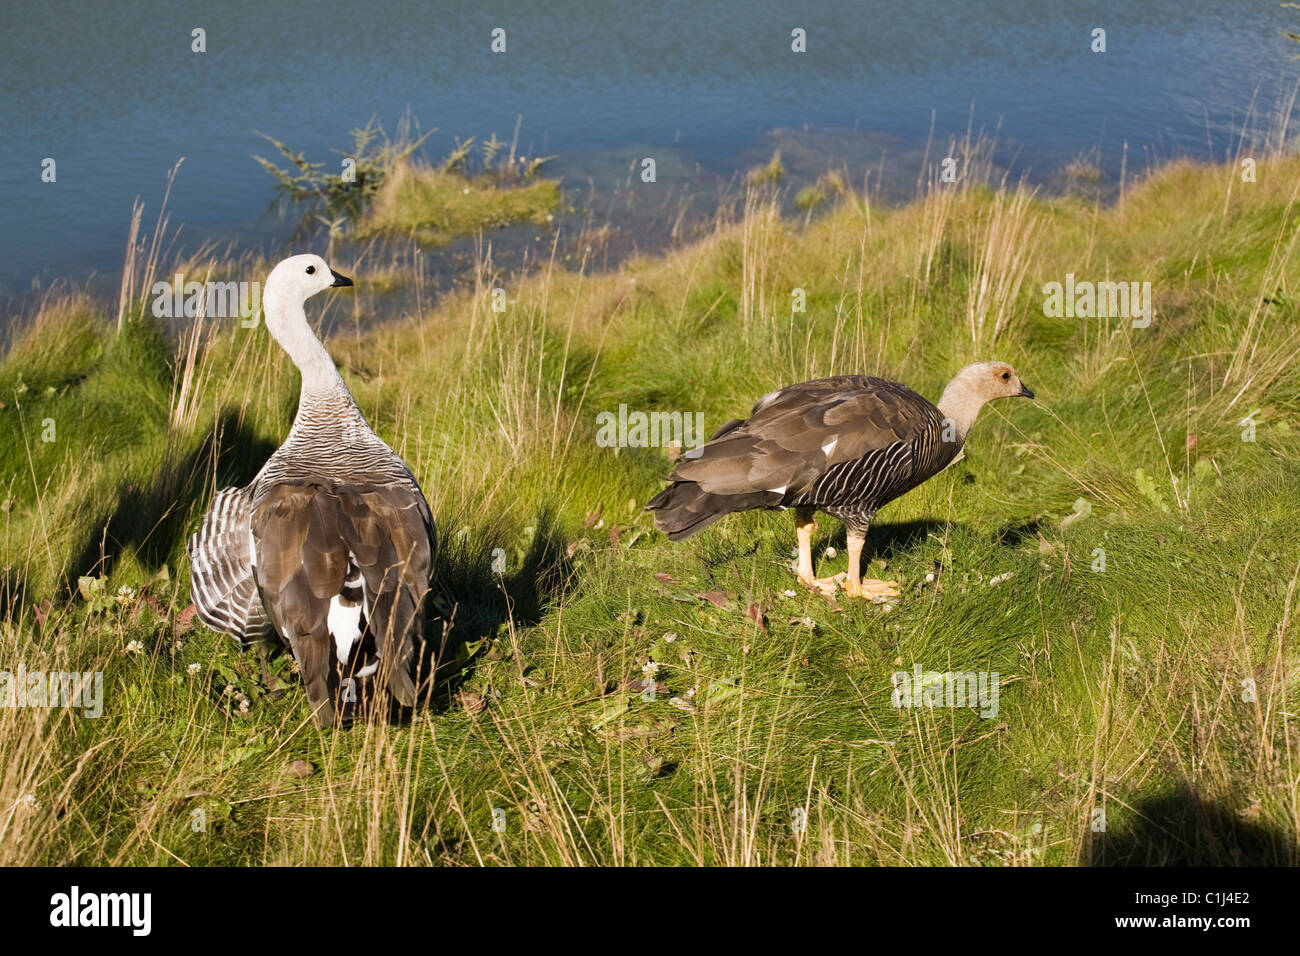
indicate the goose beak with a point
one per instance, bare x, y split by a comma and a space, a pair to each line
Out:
1024, 390
339, 280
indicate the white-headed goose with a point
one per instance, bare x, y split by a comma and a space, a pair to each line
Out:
330, 547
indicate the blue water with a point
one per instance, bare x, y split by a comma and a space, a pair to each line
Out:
114, 94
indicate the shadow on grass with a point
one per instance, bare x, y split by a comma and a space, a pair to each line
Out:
13, 592
154, 521
1013, 534
887, 540
1185, 829
884, 539
471, 602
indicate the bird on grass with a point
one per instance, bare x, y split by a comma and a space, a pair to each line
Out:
330, 546
846, 445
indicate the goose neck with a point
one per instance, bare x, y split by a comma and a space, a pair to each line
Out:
960, 406
287, 323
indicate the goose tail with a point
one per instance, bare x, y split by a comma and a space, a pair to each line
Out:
684, 508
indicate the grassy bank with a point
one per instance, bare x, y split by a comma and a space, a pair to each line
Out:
1160, 691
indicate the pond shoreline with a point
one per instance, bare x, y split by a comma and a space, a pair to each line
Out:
620, 220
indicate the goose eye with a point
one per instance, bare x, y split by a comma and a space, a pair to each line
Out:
1006, 376
311, 270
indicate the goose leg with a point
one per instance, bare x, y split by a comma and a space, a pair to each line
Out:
803, 529
805, 523
855, 586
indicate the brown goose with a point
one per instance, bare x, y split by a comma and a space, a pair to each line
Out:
330, 546
845, 445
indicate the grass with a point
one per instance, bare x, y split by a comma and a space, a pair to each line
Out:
769, 173
828, 186
1160, 691
434, 206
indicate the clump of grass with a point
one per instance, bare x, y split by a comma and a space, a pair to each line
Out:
54, 349
829, 186
768, 174
434, 206
1084, 173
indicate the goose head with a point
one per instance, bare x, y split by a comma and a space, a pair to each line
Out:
296, 279
993, 380
975, 386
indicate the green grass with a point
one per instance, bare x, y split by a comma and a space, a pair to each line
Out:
1120, 691
769, 173
434, 206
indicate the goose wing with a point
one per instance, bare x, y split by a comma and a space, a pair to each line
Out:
797, 434
343, 570
221, 573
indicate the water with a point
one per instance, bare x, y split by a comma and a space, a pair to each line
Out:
114, 94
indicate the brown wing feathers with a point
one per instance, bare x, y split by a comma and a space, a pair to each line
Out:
389, 540
309, 536
792, 441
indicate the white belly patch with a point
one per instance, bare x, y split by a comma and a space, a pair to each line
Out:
344, 622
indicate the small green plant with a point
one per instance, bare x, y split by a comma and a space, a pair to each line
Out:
491, 165
491, 148
458, 159
341, 195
